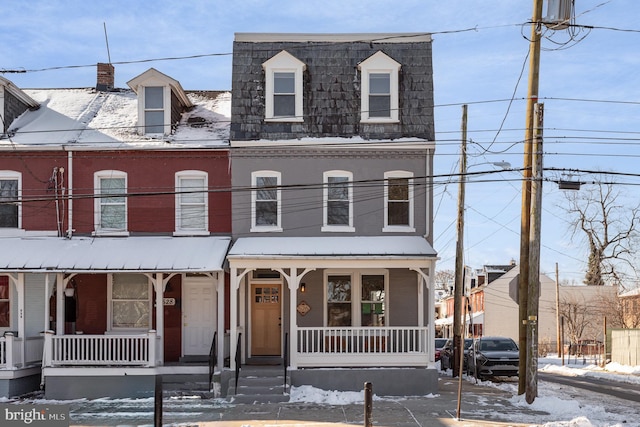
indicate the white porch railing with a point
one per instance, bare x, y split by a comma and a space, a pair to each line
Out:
353, 346
100, 350
10, 352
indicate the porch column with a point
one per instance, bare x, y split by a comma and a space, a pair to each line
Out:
159, 286
47, 310
60, 283
294, 282
233, 320
21, 318
220, 299
430, 282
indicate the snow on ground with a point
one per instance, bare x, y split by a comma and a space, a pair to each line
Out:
565, 406
568, 408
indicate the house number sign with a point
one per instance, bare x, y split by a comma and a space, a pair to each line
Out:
168, 301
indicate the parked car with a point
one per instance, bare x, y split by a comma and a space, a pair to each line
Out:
446, 355
440, 342
492, 357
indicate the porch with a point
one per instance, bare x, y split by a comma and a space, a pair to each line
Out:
353, 346
350, 304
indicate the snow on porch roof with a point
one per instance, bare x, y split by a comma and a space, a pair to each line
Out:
404, 246
105, 254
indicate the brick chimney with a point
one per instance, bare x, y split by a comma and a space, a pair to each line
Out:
106, 77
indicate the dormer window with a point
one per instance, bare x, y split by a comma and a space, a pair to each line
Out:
161, 102
154, 110
380, 89
283, 88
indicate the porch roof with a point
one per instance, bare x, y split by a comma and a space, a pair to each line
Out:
110, 254
323, 247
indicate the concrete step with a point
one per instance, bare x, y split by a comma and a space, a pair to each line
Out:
262, 398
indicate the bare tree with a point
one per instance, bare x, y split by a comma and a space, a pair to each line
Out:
444, 279
576, 318
609, 228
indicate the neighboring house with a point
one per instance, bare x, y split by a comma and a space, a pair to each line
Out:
115, 221
332, 266
630, 302
580, 305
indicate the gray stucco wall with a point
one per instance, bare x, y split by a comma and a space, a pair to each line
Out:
302, 208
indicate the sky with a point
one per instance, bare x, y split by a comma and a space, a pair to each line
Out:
588, 82
555, 406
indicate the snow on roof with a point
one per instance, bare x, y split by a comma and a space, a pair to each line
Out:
86, 117
410, 246
105, 254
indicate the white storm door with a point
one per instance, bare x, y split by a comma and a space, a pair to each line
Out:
198, 315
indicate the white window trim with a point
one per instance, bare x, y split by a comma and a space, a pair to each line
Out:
7, 175
379, 63
325, 202
166, 107
283, 62
110, 327
254, 194
191, 232
398, 228
96, 204
11, 307
356, 293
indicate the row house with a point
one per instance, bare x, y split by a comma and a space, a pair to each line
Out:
114, 226
157, 231
332, 264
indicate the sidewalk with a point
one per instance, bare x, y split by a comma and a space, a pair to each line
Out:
480, 406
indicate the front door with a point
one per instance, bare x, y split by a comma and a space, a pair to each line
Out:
266, 319
198, 315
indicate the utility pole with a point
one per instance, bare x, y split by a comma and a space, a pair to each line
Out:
558, 345
532, 98
459, 279
533, 298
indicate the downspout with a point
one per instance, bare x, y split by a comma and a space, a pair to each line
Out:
70, 194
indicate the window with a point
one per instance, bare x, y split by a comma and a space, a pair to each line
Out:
10, 194
130, 301
283, 88
110, 202
284, 94
398, 199
379, 95
154, 110
380, 89
339, 300
338, 198
5, 303
356, 299
192, 214
372, 302
265, 201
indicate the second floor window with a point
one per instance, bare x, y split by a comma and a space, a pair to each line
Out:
265, 200
9, 200
191, 202
153, 110
111, 202
398, 196
338, 196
